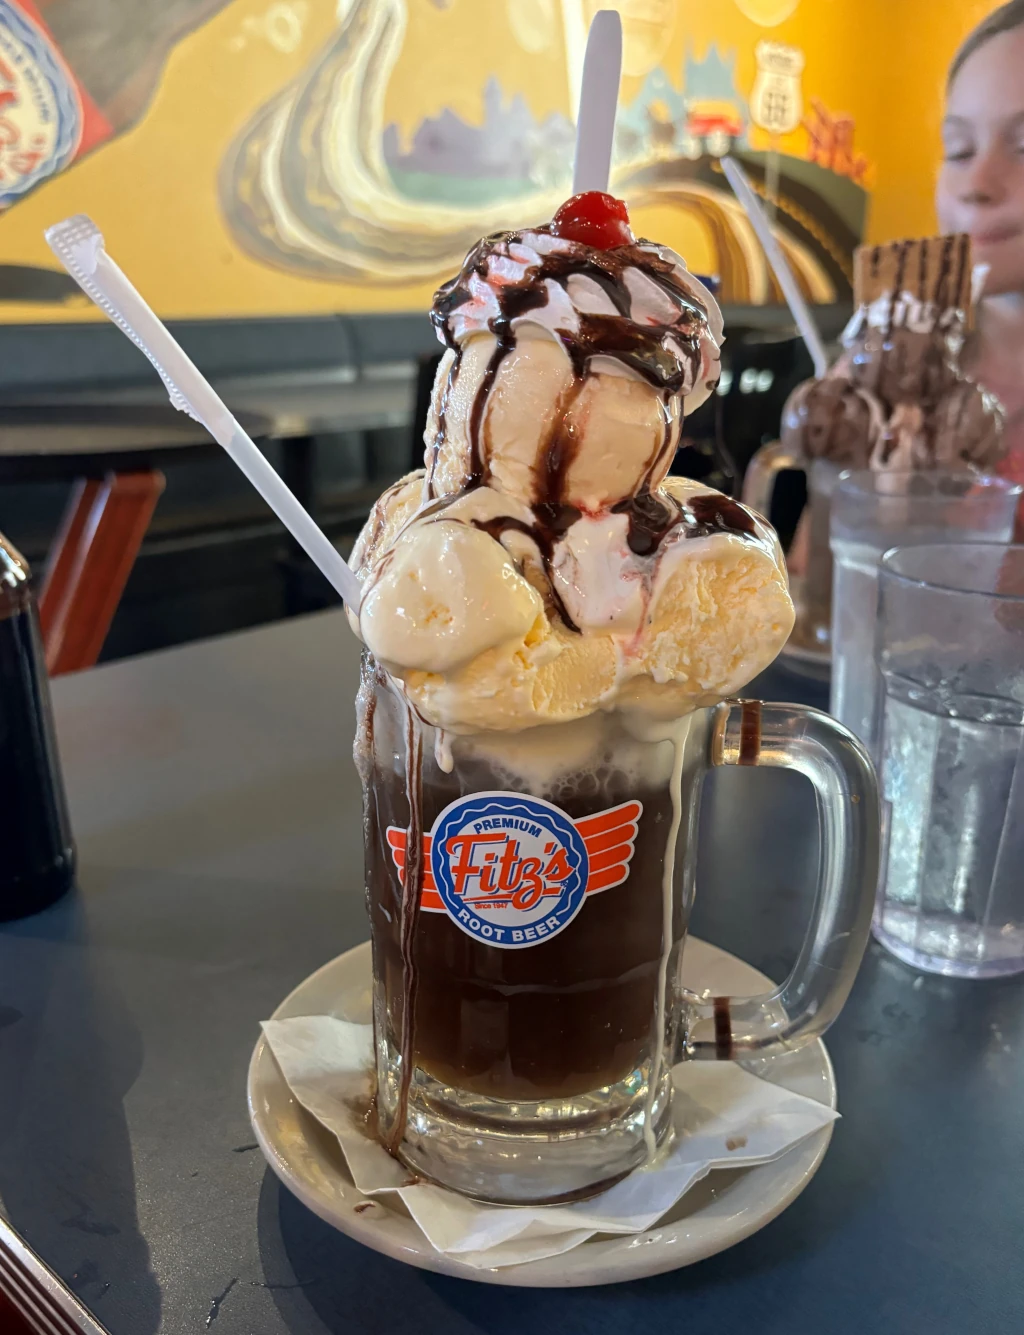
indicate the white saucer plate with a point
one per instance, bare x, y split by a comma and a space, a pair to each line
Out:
728, 1206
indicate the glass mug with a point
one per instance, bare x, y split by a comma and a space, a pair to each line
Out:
872, 512
809, 646
528, 1006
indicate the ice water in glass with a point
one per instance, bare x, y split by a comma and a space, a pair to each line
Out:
952, 759
872, 512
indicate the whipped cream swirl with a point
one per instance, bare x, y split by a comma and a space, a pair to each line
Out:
634, 310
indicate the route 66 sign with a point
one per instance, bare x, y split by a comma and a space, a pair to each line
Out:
776, 102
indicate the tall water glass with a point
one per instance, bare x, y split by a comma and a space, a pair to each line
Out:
872, 512
951, 654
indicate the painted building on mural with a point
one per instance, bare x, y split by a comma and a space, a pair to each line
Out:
299, 156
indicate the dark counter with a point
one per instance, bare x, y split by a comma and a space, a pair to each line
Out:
217, 815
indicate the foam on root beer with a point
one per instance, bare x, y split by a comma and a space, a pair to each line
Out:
543, 566
898, 398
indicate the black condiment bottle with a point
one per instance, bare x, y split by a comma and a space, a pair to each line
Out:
37, 855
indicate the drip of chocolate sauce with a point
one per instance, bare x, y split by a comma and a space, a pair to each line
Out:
652, 516
661, 461
551, 523
963, 258
935, 356
922, 270
412, 892
517, 300
559, 452
724, 1044
897, 288
750, 732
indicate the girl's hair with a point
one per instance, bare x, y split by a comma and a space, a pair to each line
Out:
1007, 18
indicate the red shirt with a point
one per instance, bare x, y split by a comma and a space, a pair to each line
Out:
994, 367
1011, 466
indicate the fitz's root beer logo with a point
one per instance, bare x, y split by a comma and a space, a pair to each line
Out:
514, 871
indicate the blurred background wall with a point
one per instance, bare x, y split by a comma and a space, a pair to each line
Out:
287, 157
288, 181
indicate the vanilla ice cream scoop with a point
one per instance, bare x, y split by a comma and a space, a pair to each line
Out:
493, 623
569, 368
449, 593
543, 566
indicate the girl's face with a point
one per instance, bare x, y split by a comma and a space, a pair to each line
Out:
981, 185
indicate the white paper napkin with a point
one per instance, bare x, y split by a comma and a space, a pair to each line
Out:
723, 1118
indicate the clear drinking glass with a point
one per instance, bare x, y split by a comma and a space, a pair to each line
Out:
872, 512
951, 654
528, 1006
809, 646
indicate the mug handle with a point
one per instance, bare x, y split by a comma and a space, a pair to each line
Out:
763, 472
747, 732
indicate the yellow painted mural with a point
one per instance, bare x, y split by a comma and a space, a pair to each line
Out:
908, 157
286, 157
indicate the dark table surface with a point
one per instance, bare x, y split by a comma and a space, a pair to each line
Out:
217, 815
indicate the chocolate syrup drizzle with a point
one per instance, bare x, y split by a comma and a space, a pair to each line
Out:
724, 1042
412, 892
750, 732
641, 347
373, 680
944, 292
551, 523
653, 515
943, 298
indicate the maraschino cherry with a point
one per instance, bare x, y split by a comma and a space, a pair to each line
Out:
594, 219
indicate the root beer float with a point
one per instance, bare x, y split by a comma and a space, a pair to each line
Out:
551, 624
542, 604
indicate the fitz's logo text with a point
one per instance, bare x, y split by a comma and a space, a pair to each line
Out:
514, 871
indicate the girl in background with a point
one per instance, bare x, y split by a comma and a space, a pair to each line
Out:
981, 192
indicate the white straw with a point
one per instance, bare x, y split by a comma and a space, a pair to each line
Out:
599, 97
78, 244
794, 297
